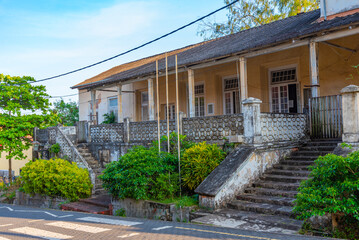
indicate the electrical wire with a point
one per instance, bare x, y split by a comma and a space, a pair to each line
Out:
138, 47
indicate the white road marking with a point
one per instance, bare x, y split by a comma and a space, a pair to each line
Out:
109, 221
5, 225
78, 227
51, 214
37, 220
128, 235
2, 238
40, 233
161, 228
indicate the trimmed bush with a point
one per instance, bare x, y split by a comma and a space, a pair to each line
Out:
198, 162
142, 173
56, 178
332, 187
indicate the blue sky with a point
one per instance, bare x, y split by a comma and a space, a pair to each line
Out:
47, 37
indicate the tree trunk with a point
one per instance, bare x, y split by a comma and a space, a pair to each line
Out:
10, 168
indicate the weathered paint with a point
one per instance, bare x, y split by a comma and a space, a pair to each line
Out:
251, 168
350, 105
337, 6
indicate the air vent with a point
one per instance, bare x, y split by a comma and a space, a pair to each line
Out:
210, 109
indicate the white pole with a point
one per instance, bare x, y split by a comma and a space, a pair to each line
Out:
167, 109
178, 130
158, 111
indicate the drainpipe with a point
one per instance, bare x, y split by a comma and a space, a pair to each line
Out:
325, 9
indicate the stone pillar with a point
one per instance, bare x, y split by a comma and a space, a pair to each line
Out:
314, 72
252, 120
126, 130
243, 78
151, 100
191, 96
93, 107
350, 108
119, 104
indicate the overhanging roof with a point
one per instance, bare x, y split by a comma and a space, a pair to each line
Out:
297, 27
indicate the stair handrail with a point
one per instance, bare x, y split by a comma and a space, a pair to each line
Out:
76, 155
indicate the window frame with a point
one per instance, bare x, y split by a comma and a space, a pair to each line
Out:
231, 91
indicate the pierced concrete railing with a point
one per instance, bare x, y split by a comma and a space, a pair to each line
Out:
69, 150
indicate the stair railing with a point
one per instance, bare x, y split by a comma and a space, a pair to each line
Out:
69, 150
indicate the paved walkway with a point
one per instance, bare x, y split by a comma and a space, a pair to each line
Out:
18, 222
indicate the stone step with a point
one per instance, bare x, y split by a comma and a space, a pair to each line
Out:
261, 208
322, 143
101, 201
262, 219
277, 185
309, 158
317, 148
310, 153
282, 201
296, 163
271, 192
289, 172
85, 207
281, 178
291, 167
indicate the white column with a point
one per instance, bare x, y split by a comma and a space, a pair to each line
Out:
314, 73
191, 96
151, 100
119, 103
243, 78
350, 106
93, 107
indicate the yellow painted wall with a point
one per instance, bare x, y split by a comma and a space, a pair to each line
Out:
335, 67
16, 164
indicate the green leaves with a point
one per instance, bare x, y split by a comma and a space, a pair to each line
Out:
56, 178
67, 112
247, 14
333, 187
198, 162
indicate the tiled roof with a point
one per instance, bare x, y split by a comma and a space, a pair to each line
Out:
299, 26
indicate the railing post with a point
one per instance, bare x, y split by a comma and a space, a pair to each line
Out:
126, 130
350, 108
181, 122
252, 120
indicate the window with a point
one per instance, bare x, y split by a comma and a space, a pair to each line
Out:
172, 111
284, 99
199, 100
144, 106
113, 107
231, 96
210, 109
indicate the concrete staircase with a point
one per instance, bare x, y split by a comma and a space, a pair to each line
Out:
267, 204
94, 164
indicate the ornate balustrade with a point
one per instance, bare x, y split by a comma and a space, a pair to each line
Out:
107, 133
283, 127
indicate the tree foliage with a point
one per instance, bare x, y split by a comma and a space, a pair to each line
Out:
23, 106
332, 187
68, 112
249, 13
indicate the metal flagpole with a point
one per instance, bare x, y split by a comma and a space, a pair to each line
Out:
158, 111
178, 130
167, 109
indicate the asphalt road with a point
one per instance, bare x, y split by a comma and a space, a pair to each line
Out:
17, 222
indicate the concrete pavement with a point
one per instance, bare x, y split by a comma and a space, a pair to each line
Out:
17, 222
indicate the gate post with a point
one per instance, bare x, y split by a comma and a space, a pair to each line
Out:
252, 120
350, 106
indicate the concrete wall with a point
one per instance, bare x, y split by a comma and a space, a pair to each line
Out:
335, 69
337, 6
16, 164
103, 99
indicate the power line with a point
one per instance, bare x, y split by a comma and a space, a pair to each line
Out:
138, 47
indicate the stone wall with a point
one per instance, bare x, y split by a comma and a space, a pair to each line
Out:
152, 210
38, 201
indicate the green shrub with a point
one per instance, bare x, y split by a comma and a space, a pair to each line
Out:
55, 148
333, 187
184, 143
139, 173
56, 178
109, 118
198, 162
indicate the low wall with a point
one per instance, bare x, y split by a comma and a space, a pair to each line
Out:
38, 201
152, 210
237, 171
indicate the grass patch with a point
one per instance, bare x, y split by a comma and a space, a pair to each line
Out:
184, 201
